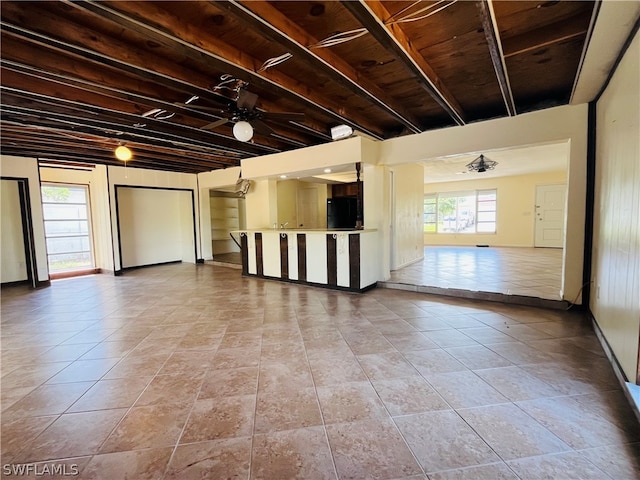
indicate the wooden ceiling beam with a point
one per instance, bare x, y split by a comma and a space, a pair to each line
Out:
272, 24
104, 51
73, 125
106, 160
94, 150
492, 34
125, 122
17, 75
372, 14
195, 46
545, 36
18, 133
98, 154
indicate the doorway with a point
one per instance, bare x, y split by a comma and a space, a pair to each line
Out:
549, 217
227, 212
14, 252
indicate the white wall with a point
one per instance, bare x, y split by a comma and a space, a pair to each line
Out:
297, 162
408, 213
96, 179
13, 266
262, 204
377, 215
515, 212
615, 298
152, 178
23, 167
155, 226
560, 124
287, 211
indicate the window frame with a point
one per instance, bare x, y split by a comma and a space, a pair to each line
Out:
429, 197
89, 234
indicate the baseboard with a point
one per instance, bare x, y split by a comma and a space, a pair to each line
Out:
411, 262
75, 273
477, 295
631, 390
313, 284
15, 284
125, 269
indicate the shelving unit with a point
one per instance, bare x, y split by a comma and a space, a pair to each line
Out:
226, 216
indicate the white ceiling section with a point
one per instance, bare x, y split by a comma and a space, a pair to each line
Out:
612, 28
517, 161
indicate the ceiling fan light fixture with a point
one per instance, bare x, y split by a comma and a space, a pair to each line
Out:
481, 164
123, 153
243, 131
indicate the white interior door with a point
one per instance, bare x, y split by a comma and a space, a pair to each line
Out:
307, 208
550, 205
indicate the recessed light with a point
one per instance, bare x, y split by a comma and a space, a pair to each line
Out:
283, 176
327, 170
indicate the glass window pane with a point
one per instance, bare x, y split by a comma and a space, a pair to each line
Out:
487, 206
487, 227
64, 212
67, 244
70, 261
63, 194
484, 195
66, 227
486, 216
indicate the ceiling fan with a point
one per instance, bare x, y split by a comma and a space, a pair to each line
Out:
247, 118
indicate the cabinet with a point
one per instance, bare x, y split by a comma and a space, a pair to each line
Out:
225, 218
344, 190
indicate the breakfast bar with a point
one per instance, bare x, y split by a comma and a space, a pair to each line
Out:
342, 259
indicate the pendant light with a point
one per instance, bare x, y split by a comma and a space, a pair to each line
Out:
123, 153
243, 131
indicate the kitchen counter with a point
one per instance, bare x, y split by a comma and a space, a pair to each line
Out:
342, 259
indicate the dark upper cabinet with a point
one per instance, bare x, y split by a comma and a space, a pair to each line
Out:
344, 190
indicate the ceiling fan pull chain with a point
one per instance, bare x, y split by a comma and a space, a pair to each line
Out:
229, 82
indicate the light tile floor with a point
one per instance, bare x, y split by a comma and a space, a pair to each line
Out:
532, 272
183, 371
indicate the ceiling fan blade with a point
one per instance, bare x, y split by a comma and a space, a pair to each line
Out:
216, 124
261, 127
287, 116
246, 99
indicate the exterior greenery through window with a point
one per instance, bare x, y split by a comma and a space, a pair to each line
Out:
67, 227
473, 211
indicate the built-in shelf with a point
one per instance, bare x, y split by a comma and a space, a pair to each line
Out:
225, 218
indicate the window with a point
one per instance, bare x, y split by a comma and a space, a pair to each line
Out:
473, 211
67, 227
430, 216
486, 216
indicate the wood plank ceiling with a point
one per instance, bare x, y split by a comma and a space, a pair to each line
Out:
80, 78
